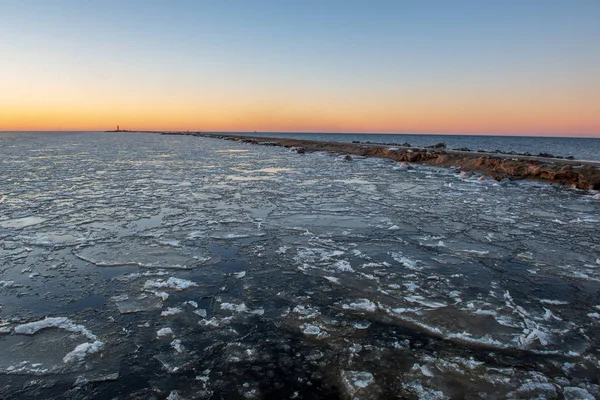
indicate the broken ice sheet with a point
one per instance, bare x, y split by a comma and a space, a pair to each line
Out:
354, 381
177, 284
22, 222
391, 264
141, 254
50, 345
136, 303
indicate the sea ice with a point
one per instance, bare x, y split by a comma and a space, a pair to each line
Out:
177, 346
171, 311
164, 332
241, 308
575, 393
83, 350
425, 302
356, 380
308, 329
22, 222
362, 305
32, 328
171, 283
342, 265
80, 351
407, 262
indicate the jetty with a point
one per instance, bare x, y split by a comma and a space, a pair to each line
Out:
579, 174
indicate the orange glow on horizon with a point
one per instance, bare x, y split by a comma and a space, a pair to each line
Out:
404, 118
94, 106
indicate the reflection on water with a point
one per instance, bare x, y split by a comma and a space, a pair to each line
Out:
179, 272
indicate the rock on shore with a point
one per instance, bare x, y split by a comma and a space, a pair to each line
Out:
568, 172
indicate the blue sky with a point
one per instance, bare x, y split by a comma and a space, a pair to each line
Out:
393, 62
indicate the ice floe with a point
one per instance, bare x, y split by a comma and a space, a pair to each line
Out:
80, 351
170, 283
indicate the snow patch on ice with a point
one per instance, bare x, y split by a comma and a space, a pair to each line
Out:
425, 302
423, 369
356, 380
554, 302
407, 262
343, 265
171, 311
164, 332
201, 312
215, 322
177, 346
361, 305
308, 329
241, 308
82, 350
65, 323
171, 283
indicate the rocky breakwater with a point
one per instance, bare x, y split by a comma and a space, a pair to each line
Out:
573, 173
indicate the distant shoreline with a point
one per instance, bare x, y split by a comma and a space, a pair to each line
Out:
578, 174
249, 133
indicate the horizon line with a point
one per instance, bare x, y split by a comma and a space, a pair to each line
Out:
559, 135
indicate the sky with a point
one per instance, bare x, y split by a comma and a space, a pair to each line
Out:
522, 67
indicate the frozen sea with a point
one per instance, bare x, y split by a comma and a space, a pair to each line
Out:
171, 267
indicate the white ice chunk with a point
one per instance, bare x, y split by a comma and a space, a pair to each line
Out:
163, 295
234, 307
425, 302
164, 332
407, 262
177, 346
201, 312
191, 303
76, 354
554, 302
215, 322
424, 369
83, 350
476, 252
171, 311
308, 329
282, 250
54, 322
306, 312
171, 283
362, 325
174, 395
356, 380
362, 304
343, 265
241, 308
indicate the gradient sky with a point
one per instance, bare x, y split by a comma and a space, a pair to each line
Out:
486, 66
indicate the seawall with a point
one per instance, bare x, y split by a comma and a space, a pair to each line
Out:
573, 173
